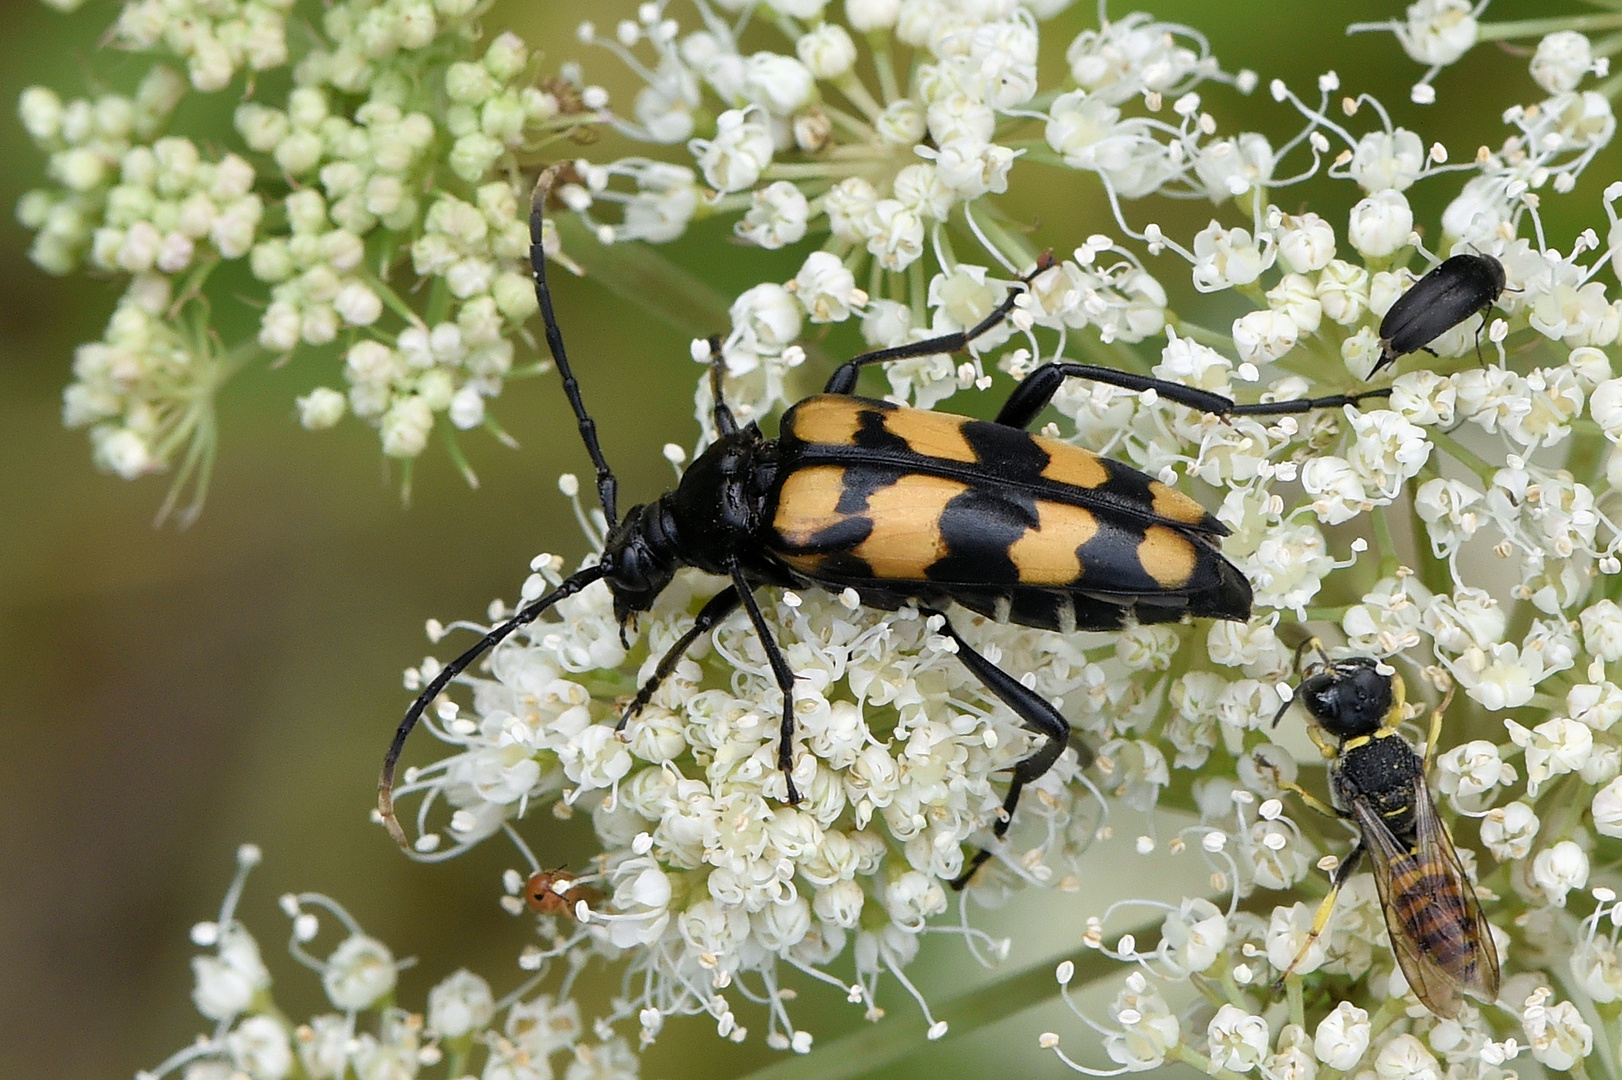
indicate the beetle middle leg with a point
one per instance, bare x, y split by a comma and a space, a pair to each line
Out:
780, 670
1035, 392
1034, 711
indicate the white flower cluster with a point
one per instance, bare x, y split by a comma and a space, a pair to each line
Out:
892, 175
1464, 523
368, 1036
215, 39
710, 877
388, 146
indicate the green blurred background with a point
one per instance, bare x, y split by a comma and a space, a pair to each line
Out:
172, 694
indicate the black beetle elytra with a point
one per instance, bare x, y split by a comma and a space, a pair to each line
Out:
1458, 288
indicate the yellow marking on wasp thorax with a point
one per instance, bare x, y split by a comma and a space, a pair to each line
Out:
1173, 505
830, 420
808, 503
906, 538
1355, 742
1167, 556
1046, 554
1072, 465
932, 434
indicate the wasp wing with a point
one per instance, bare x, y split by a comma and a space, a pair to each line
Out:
1440, 937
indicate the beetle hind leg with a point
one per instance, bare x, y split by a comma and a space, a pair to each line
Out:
843, 380
1034, 712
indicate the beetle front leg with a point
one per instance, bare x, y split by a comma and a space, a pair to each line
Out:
725, 423
1034, 711
780, 670
719, 607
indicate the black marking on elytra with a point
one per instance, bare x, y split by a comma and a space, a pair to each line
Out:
978, 528
1018, 458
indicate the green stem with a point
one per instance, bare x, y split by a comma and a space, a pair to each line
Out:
1387, 549
1200, 334
1517, 28
1327, 614
882, 64
857, 95
639, 274
871, 1050
1200, 1062
1455, 450
816, 170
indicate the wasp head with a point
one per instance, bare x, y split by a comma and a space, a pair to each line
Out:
1349, 697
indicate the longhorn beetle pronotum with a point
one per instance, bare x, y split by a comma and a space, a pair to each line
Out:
904, 506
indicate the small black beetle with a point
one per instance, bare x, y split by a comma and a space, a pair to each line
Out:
1456, 289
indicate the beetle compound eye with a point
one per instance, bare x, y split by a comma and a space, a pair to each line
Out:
1458, 288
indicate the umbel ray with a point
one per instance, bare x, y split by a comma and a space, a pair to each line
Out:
905, 507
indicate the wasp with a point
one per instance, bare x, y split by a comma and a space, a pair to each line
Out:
1377, 780
905, 507
1454, 290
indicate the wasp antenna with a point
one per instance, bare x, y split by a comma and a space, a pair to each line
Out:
607, 486
527, 614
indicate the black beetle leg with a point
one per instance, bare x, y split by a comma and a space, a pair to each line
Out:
843, 380
1036, 390
1034, 711
780, 668
725, 424
719, 607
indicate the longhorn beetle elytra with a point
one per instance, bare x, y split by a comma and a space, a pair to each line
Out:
904, 506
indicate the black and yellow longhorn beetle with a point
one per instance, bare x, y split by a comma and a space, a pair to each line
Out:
904, 506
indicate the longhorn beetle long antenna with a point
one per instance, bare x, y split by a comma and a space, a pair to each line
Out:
607, 486
528, 613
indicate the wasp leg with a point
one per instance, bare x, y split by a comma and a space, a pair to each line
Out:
1312, 800
1435, 731
1325, 909
780, 669
719, 607
1036, 390
843, 380
1034, 712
